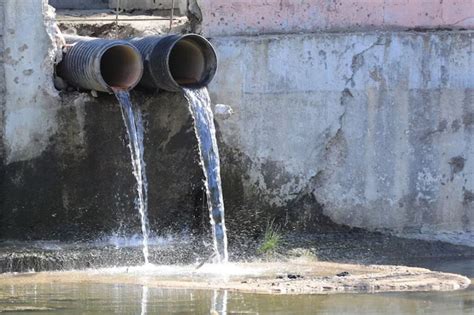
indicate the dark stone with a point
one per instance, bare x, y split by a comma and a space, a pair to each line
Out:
343, 274
294, 276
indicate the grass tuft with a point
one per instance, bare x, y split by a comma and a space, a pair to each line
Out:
272, 238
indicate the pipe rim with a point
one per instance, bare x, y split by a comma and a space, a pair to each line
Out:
201, 41
106, 48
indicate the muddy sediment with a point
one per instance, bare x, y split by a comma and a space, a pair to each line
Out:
294, 277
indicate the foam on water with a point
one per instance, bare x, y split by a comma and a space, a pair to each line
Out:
208, 270
137, 240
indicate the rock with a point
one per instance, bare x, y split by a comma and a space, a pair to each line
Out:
60, 84
223, 111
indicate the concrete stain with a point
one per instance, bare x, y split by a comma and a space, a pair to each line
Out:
468, 197
28, 72
457, 165
23, 48
468, 119
455, 125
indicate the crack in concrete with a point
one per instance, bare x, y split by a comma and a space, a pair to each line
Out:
323, 174
345, 94
358, 59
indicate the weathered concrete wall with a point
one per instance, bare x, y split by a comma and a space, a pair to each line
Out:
81, 187
2, 88
370, 129
66, 172
377, 127
232, 17
30, 98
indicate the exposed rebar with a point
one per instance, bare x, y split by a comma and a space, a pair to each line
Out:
171, 15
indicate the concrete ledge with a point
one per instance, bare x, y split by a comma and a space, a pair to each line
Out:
231, 17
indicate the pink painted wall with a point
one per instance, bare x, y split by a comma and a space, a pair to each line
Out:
233, 17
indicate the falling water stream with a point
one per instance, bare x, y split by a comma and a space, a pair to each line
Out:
200, 107
134, 125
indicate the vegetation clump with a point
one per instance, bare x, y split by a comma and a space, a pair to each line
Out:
272, 238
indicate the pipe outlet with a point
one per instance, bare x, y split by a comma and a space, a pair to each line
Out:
100, 64
175, 61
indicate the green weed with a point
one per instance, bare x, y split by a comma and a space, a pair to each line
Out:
272, 238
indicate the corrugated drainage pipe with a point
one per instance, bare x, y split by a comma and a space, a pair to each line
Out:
100, 64
175, 61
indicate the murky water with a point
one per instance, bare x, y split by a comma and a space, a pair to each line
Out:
86, 298
200, 107
133, 121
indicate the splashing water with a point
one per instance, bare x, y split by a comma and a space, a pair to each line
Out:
134, 125
200, 107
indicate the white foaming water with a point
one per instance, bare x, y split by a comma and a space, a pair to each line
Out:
137, 240
208, 270
200, 107
134, 125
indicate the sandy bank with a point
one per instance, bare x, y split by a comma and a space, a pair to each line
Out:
294, 277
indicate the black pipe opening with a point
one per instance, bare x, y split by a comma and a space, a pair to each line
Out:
121, 67
192, 61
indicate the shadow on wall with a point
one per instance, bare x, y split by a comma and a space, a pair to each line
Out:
80, 4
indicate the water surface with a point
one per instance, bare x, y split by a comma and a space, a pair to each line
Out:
119, 298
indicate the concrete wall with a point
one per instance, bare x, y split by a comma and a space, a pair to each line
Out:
31, 101
2, 86
66, 172
232, 17
81, 186
377, 127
